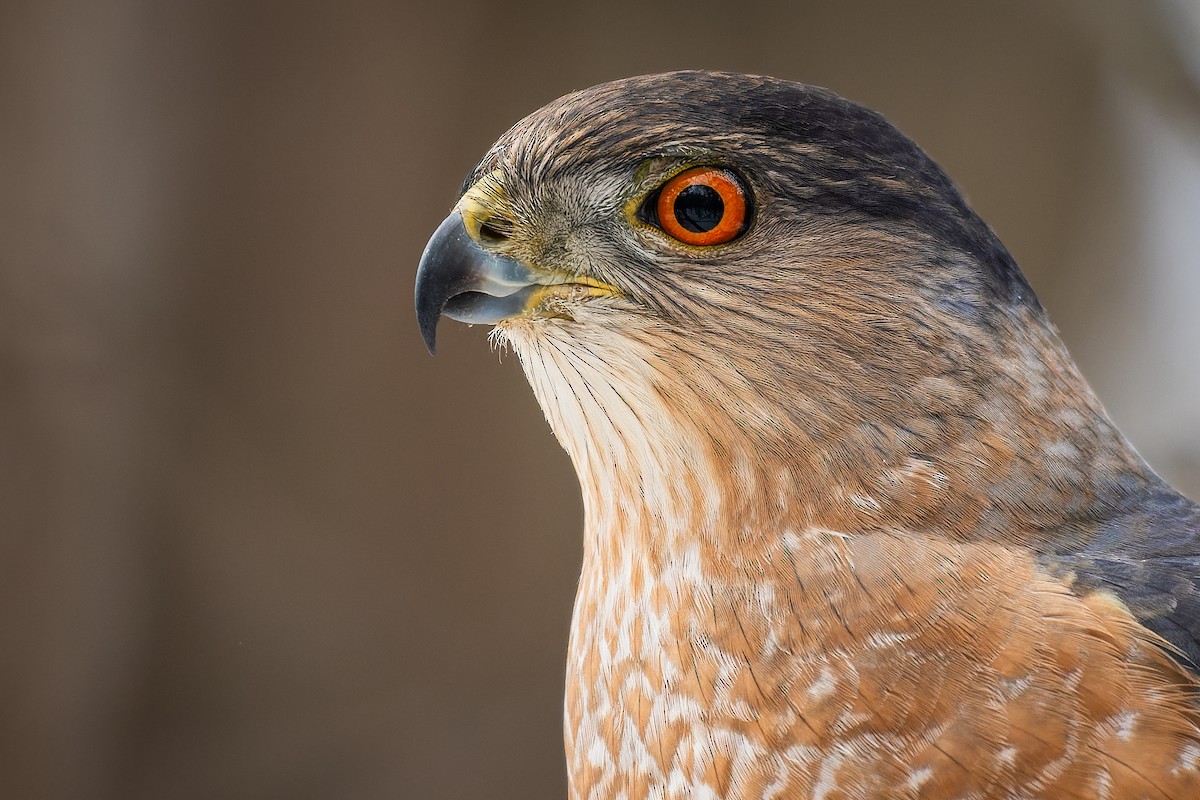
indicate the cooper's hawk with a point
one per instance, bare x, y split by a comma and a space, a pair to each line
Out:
856, 527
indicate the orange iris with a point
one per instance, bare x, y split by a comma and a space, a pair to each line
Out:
702, 206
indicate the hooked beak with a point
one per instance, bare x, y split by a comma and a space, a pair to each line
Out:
460, 279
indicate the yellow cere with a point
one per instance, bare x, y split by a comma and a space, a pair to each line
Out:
482, 202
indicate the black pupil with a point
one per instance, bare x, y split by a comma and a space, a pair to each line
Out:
699, 208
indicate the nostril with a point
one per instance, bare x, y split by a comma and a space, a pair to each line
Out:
495, 230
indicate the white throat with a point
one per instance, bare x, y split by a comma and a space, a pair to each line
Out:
640, 463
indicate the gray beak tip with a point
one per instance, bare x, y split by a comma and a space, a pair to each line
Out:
442, 268
427, 319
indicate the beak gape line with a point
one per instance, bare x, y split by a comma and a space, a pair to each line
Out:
460, 279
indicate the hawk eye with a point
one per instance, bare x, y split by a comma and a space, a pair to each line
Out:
702, 206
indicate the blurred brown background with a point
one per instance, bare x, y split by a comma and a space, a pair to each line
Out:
254, 542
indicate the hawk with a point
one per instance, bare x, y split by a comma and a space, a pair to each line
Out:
855, 525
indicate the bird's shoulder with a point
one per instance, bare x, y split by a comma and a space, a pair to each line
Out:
1144, 551
973, 652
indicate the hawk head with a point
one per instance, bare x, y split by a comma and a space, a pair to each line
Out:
819, 418
712, 267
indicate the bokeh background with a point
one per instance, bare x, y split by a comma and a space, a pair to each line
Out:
254, 542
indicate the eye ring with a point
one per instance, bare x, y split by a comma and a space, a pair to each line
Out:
702, 206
